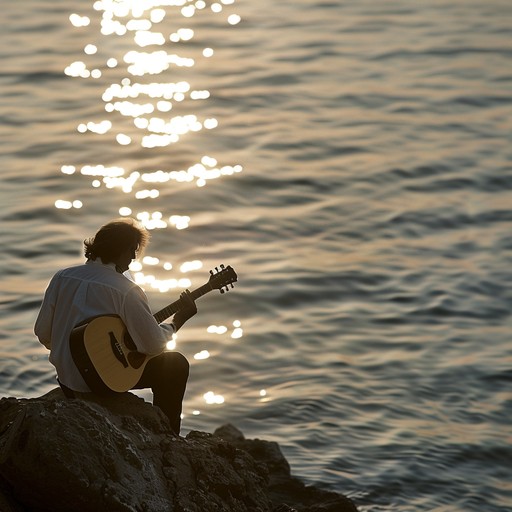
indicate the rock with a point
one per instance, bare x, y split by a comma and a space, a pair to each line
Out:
120, 455
282, 486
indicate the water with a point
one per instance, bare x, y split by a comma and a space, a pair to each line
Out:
357, 177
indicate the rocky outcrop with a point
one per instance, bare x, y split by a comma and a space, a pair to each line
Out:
120, 455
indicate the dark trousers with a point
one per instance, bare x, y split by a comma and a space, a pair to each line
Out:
167, 375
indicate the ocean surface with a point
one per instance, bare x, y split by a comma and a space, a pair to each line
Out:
351, 159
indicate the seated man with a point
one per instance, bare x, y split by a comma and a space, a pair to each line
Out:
98, 287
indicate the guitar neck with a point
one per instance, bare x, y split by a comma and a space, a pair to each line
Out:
169, 310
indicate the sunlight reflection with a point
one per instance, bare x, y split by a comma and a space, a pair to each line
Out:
199, 95
79, 21
211, 398
150, 260
90, 49
153, 90
188, 11
130, 109
180, 221
123, 139
155, 220
204, 354
100, 128
142, 63
234, 19
189, 266
78, 69
101, 170
200, 172
138, 110
222, 329
161, 285
237, 331
171, 344
144, 194
183, 34
125, 184
137, 25
264, 396
135, 266
61, 204
68, 169
157, 15
217, 329
164, 106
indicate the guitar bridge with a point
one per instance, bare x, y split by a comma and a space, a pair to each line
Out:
117, 350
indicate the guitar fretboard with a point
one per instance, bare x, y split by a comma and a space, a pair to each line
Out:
169, 310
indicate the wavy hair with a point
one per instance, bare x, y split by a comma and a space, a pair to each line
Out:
116, 237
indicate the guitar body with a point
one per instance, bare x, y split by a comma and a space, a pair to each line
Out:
104, 352
106, 355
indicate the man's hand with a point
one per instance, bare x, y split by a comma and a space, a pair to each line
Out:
187, 310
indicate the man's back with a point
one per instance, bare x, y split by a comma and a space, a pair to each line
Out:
77, 294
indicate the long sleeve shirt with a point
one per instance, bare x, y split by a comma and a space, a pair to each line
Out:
77, 294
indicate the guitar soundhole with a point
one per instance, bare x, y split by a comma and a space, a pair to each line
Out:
136, 359
129, 342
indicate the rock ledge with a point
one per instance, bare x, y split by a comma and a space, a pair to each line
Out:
63, 455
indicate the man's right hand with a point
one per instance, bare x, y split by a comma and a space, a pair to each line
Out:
187, 310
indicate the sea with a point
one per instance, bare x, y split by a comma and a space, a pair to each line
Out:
351, 160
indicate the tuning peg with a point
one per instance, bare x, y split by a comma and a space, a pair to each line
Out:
222, 266
222, 290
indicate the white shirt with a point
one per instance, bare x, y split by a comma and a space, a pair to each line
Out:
79, 293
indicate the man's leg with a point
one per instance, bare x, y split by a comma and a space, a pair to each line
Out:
167, 375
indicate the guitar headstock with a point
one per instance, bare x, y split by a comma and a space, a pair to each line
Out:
222, 278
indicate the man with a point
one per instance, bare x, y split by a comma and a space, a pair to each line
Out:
98, 287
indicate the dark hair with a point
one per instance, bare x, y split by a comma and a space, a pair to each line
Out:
114, 238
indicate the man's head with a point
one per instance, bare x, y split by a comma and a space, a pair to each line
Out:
119, 242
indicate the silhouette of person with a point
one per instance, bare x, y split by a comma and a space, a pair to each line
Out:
99, 287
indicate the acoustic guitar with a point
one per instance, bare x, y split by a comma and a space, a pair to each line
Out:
106, 355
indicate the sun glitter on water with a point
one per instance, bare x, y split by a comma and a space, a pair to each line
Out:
144, 109
137, 56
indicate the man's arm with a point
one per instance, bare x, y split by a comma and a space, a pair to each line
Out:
150, 337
